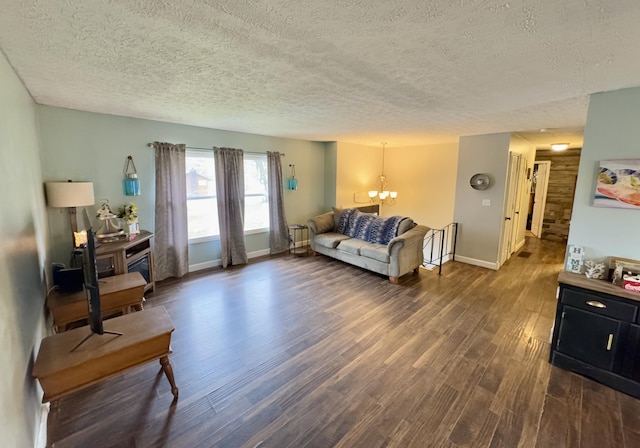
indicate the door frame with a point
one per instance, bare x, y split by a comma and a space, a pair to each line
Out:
540, 203
510, 207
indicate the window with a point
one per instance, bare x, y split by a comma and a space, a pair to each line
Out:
202, 209
256, 197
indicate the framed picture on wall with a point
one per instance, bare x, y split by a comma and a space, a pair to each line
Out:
618, 184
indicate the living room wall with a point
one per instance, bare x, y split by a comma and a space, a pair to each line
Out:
480, 226
423, 176
611, 132
89, 146
357, 171
23, 262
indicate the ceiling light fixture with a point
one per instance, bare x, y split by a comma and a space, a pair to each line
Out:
383, 196
559, 146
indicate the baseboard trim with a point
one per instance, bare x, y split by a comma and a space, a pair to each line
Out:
432, 266
476, 262
216, 263
41, 436
520, 245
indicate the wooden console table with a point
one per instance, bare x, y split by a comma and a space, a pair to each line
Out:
117, 293
120, 257
146, 336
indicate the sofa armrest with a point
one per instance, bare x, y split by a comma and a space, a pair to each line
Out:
321, 224
406, 251
410, 237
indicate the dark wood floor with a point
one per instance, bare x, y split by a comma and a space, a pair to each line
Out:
310, 352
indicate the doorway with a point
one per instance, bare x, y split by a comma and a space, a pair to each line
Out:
538, 196
513, 225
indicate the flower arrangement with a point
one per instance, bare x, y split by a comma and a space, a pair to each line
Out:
129, 213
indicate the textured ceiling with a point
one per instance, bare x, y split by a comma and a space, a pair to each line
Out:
362, 71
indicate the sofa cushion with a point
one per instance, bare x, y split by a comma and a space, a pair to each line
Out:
329, 240
352, 245
345, 220
376, 251
323, 223
371, 228
405, 224
337, 212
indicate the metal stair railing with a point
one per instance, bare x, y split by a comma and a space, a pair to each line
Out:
440, 244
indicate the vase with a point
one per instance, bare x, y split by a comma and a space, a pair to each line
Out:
132, 228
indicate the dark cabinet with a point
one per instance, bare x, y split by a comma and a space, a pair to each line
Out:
597, 332
589, 337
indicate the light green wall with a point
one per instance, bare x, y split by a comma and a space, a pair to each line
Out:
88, 146
23, 261
611, 133
480, 227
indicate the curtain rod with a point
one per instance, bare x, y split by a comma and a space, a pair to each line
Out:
150, 145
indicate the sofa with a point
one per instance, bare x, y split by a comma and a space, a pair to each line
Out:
389, 246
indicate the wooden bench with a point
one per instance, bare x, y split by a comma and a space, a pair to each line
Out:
146, 336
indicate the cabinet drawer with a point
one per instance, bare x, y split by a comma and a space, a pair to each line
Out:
599, 304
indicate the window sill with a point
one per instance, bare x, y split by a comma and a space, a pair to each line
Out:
206, 239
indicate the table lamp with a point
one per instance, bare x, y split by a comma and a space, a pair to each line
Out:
70, 195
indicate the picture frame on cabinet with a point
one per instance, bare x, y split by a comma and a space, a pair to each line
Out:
575, 259
622, 266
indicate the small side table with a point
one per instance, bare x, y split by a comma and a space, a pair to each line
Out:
299, 236
118, 293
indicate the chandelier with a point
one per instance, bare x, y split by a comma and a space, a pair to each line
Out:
382, 195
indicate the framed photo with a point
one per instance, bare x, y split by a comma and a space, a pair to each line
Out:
618, 184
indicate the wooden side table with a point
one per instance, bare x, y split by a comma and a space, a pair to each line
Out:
146, 336
117, 293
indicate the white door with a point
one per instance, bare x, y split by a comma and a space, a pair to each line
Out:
519, 214
510, 208
542, 171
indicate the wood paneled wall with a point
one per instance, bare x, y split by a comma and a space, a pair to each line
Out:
562, 185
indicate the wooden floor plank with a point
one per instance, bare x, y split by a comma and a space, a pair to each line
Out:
311, 352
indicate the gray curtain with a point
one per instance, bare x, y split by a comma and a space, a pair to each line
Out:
170, 257
278, 228
230, 192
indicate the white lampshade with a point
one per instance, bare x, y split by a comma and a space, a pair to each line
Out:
69, 194
373, 193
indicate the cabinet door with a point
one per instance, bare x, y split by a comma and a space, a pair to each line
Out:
589, 337
631, 354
